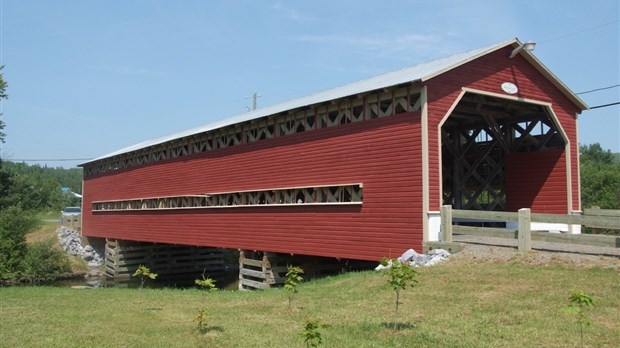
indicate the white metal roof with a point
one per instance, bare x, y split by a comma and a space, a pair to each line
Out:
419, 72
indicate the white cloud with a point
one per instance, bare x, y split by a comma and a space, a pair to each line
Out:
293, 14
380, 46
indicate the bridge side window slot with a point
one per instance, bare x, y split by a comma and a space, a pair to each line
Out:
336, 194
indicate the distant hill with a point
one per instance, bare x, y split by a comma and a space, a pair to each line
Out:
617, 157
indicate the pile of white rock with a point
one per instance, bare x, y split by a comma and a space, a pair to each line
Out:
72, 244
411, 257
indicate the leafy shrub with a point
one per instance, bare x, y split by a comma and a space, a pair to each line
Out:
44, 262
14, 225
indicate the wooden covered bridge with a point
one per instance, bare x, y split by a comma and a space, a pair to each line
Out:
356, 172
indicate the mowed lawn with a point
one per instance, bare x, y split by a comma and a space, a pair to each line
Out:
456, 304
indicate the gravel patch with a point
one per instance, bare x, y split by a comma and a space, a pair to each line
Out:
494, 250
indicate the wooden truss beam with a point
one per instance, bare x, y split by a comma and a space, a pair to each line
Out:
475, 140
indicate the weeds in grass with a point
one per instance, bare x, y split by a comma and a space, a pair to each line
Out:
398, 326
202, 318
292, 281
311, 334
580, 301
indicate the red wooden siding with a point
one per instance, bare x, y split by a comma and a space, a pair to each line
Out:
536, 180
487, 73
382, 154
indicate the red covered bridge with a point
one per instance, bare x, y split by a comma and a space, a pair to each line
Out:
357, 172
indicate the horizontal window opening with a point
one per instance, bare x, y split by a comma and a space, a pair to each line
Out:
316, 195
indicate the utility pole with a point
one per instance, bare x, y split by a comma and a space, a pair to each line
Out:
255, 96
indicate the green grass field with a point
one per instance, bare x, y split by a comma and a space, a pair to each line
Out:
455, 305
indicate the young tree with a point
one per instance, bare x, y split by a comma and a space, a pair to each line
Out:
144, 272
202, 316
400, 276
580, 302
293, 278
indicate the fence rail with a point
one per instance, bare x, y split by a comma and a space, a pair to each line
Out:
595, 217
71, 221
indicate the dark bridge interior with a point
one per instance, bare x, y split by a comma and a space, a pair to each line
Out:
476, 138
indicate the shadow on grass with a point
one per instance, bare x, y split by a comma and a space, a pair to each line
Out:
398, 326
213, 329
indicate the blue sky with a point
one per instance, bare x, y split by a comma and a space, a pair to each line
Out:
90, 77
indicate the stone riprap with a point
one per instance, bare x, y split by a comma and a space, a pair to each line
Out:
411, 257
72, 244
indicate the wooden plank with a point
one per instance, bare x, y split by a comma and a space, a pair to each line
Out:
271, 281
603, 219
595, 211
254, 263
252, 273
587, 220
486, 231
254, 284
122, 276
485, 215
582, 239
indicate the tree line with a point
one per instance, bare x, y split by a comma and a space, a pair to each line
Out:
37, 188
25, 191
600, 177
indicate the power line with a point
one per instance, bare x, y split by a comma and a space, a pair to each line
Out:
580, 31
598, 89
604, 105
48, 159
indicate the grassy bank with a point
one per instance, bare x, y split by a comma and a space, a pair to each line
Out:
47, 229
455, 305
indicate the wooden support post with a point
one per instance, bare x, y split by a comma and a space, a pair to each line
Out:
260, 270
446, 224
525, 235
175, 264
241, 264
